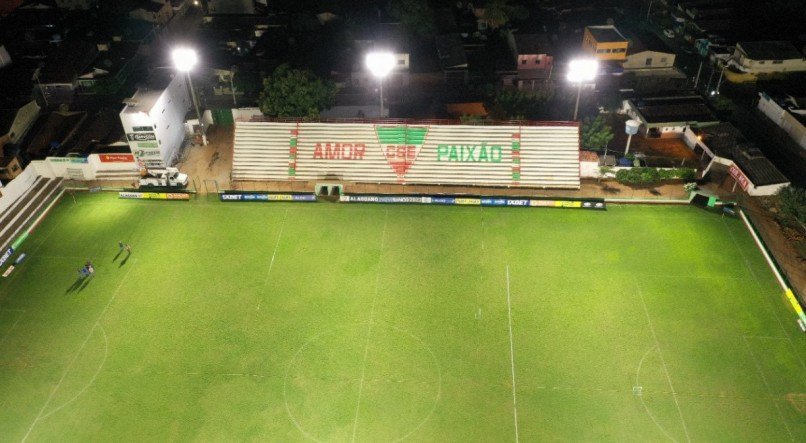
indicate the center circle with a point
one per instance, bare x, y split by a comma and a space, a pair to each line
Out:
362, 382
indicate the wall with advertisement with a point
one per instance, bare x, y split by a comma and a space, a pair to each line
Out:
86, 168
531, 156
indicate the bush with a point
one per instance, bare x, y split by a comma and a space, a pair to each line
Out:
647, 176
638, 176
792, 203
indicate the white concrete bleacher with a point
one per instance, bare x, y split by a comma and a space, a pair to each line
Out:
537, 155
31, 195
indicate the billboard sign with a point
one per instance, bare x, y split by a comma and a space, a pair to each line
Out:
739, 176
268, 197
154, 195
475, 201
116, 158
141, 136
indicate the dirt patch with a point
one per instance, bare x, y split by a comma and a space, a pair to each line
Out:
798, 401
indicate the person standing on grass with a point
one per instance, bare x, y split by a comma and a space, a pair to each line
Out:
128, 248
120, 246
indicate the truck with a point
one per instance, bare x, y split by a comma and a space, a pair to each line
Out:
164, 178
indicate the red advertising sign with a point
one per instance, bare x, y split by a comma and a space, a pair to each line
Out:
739, 176
116, 158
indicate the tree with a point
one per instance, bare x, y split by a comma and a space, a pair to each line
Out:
498, 13
517, 105
415, 16
295, 93
596, 133
792, 203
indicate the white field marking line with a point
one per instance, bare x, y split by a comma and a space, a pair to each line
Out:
765, 298
92, 380
369, 328
274, 254
663, 361
73, 361
637, 372
13, 325
512, 359
769, 389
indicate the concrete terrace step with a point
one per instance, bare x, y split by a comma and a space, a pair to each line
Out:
38, 184
35, 201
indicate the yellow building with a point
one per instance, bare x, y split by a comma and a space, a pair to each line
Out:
605, 43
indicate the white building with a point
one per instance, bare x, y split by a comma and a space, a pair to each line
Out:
787, 112
767, 57
154, 121
723, 147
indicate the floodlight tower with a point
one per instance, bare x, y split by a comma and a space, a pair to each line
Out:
380, 64
581, 71
184, 60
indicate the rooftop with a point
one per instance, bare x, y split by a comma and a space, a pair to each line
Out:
50, 132
145, 98
647, 41
771, 50
726, 141
674, 109
71, 59
757, 167
529, 44
606, 34
104, 127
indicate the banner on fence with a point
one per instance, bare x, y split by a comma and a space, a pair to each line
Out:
154, 195
116, 158
6, 255
474, 201
269, 197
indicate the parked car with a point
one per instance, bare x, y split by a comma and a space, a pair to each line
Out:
668, 33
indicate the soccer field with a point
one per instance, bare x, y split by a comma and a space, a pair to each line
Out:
336, 322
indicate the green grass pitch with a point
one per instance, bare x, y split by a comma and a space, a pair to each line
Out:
299, 322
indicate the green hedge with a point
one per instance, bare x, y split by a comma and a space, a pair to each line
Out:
647, 176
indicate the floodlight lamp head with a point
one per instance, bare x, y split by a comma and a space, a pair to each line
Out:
380, 64
184, 59
582, 70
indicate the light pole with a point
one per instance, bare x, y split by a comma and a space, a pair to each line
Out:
581, 71
380, 64
184, 60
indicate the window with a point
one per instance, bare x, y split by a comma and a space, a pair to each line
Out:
762, 62
648, 62
537, 62
777, 62
619, 50
523, 62
401, 62
663, 59
600, 51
